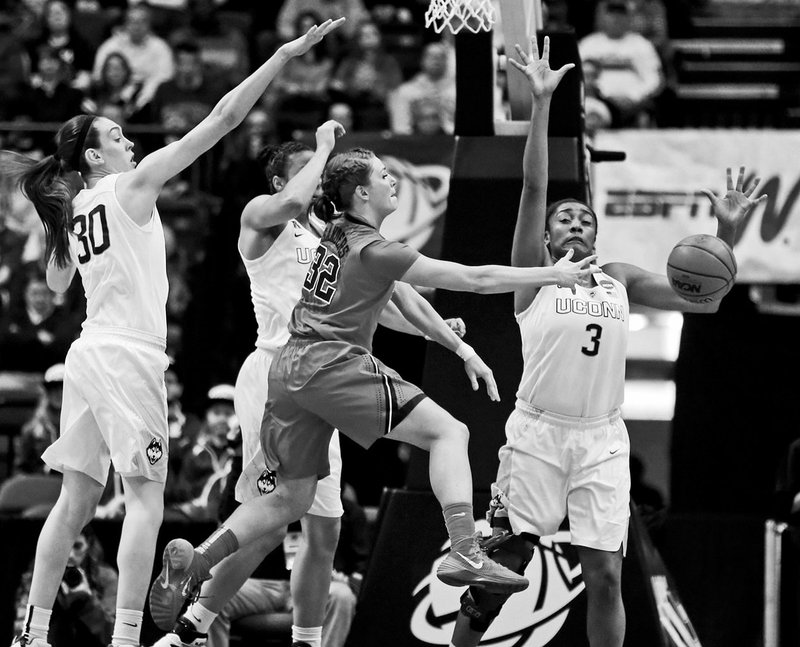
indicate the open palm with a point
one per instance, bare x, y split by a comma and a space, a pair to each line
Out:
536, 68
737, 201
314, 35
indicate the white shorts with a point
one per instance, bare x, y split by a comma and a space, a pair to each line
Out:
249, 400
114, 409
555, 466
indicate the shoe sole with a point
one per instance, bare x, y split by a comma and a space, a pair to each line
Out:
488, 585
165, 599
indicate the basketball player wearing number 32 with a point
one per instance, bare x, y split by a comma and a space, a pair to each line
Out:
567, 449
115, 407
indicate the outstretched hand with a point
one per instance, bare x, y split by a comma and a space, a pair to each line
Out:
737, 202
315, 34
570, 274
542, 79
327, 134
476, 369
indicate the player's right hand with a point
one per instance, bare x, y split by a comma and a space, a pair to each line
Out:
315, 34
569, 273
476, 369
327, 134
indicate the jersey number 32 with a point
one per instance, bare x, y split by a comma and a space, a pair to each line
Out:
322, 275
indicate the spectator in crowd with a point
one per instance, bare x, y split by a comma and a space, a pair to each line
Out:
48, 96
433, 82
366, 76
36, 333
300, 94
343, 113
325, 9
14, 65
84, 610
12, 243
597, 110
629, 69
150, 57
58, 33
426, 118
223, 48
185, 100
42, 429
207, 463
115, 86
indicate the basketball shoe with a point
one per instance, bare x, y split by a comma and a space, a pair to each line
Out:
472, 567
26, 641
183, 634
183, 572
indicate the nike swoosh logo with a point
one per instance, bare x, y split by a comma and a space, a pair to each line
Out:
296, 235
613, 451
470, 562
130, 624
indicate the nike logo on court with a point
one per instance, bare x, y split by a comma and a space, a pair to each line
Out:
469, 561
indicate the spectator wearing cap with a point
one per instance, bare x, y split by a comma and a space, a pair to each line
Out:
42, 429
629, 73
207, 462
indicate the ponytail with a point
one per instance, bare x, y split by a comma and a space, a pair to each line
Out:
324, 208
50, 183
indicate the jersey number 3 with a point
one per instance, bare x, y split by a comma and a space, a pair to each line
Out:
92, 233
597, 332
322, 275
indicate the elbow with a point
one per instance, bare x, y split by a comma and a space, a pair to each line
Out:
57, 286
479, 283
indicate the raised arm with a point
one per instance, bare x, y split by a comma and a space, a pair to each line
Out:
528, 248
154, 170
492, 279
651, 289
265, 211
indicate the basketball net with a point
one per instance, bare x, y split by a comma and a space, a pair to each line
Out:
474, 15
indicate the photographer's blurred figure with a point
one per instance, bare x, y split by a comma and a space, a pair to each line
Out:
42, 429
205, 465
84, 610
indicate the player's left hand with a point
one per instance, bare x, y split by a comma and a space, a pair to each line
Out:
737, 202
314, 35
476, 369
457, 325
542, 79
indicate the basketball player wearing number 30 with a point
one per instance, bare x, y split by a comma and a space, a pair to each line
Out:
115, 407
567, 449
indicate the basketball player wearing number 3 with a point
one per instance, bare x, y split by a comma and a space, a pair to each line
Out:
567, 449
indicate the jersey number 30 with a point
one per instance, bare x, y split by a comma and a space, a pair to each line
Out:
92, 233
322, 275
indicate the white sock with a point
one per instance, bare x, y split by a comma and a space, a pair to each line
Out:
37, 622
201, 617
127, 627
312, 636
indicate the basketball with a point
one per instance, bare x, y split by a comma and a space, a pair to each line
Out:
701, 268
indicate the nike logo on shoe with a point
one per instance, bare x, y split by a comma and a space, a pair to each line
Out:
469, 561
165, 583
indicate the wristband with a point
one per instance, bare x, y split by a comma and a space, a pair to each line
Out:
465, 351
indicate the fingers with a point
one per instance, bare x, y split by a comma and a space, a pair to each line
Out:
729, 178
588, 260
491, 387
570, 253
740, 179
564, 69
710, 194
523, 56
545, 48
756, 181
473, 380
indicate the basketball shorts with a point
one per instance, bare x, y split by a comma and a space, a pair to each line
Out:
316, 386
249, 399
555, 466
114, 409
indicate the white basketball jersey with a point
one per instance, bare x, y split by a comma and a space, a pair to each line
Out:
122, 265
276, 278
573, 348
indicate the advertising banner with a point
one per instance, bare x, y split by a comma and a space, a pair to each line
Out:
652, 200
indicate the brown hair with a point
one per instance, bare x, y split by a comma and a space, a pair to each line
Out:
47, 183
343, 173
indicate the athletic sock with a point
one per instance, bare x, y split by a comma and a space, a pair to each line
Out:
200, 617
311, 636
218, 546
127, 627
37, 622
460, 525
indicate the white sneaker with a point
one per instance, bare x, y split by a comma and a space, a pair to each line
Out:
24, 640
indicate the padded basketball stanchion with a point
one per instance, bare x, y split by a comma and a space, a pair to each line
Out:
474, 84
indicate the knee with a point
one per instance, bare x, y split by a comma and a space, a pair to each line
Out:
602, 580
456, 432
322, 535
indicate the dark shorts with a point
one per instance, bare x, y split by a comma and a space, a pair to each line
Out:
318, 386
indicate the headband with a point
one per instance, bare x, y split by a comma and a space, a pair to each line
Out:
75, 159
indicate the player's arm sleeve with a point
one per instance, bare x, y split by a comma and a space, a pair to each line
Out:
387, 259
